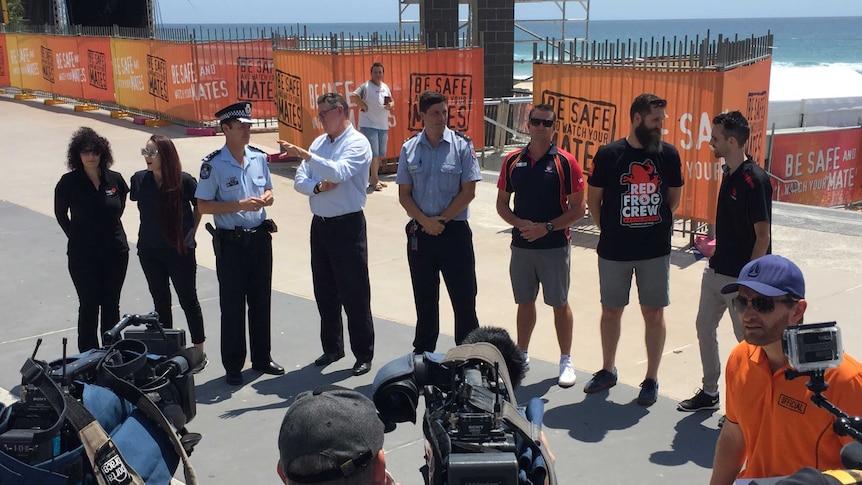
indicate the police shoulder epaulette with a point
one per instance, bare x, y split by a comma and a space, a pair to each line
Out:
211, 156
256, 149
462, 135
414, 135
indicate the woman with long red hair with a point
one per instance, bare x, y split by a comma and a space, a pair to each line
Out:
166, 238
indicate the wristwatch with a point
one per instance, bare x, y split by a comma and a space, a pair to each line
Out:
549, 226
317, 188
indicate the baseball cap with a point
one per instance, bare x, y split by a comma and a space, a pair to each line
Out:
770, 275
333, 422
237, 111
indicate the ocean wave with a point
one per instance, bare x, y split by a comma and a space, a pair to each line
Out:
843, 66
825, 80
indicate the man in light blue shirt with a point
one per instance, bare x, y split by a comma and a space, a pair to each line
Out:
235, 186
334, 175
437, 176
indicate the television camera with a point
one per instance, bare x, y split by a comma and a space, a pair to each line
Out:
148, 368
472, 425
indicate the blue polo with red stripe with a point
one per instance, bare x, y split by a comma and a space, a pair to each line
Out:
541, 188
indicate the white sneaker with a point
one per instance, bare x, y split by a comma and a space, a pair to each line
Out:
567, 374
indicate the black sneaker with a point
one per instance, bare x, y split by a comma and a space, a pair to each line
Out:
649, 392
700, 401
601, 380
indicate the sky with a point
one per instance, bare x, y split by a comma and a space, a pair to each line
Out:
363, 11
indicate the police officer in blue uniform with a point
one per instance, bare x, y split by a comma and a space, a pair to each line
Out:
235, 186
437, 176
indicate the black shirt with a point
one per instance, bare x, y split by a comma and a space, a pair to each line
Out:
90, 217
146, 192
745, 198
635, 216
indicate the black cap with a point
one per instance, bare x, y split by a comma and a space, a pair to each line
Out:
237, 111
333, 422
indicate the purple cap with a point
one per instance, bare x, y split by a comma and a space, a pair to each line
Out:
770, 275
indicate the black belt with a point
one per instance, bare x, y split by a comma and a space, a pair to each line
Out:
445, 223
336, 218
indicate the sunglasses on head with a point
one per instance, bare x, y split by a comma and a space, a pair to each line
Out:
761, 304
149, 153
539, 121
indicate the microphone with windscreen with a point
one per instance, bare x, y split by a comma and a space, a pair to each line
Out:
851, 455
181, 363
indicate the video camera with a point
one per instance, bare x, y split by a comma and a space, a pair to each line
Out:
475, 430
34, 430
812, 347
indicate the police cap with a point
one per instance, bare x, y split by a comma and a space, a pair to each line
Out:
237, 111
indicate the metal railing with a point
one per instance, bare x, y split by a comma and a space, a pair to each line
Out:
665, 53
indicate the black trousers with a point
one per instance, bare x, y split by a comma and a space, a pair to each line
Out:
339, 268
244, 271
450, 253
98, 278
163, 266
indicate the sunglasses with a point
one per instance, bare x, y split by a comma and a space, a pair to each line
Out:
539, 121
761, 304
322, 114
149, 153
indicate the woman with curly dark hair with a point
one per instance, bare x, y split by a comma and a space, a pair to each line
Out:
166, 239
88, 204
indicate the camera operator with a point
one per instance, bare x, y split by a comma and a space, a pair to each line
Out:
772, 427
332, 435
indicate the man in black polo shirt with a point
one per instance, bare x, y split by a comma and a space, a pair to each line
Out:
549, 196
742, 233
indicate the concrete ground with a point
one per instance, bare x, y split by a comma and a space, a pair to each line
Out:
590, 435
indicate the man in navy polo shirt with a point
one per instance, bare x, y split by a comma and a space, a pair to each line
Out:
549, 196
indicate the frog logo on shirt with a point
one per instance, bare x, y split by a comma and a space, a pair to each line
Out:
641, 202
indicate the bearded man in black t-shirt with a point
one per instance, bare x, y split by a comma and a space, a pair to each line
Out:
634, 189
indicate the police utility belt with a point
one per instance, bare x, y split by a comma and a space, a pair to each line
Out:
240, 235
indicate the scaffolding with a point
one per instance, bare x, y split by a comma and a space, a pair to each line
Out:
571, 12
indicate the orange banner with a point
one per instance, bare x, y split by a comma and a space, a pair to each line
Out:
818, 168
30, 64
592, 106
228, 72
5, 78
129, 58
301, 77
170, 73
95, 55
155, 76
66, 64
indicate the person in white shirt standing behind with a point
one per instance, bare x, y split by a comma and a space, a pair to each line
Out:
374, 99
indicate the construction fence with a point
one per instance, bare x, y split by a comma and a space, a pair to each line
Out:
185, 77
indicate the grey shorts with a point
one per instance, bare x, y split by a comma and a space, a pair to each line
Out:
550, 267
651, 275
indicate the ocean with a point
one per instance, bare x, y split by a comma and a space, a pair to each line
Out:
830, 47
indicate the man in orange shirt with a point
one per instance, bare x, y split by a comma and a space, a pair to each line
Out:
772, 427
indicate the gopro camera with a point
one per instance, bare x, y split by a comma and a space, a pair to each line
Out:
813, 347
